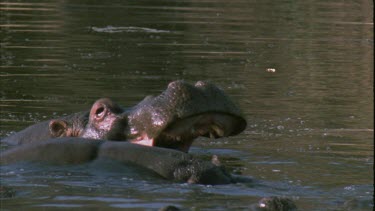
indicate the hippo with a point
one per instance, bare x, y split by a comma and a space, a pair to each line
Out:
169, 123
168, 163
172, 119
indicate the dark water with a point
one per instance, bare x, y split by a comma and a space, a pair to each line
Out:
310, 133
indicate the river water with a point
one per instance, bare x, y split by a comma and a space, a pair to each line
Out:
301, 71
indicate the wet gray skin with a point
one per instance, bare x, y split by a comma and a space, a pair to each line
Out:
182, 113
275, 203
169, 164
265, 204
172, 120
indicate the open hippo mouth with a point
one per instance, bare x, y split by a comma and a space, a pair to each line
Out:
173, 119
182, 113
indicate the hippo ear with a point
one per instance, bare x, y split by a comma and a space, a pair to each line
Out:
58, 128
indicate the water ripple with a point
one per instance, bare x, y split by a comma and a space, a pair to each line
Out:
129, 29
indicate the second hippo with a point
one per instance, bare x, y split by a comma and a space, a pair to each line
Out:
169, 164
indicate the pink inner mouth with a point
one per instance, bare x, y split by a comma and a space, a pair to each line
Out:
181, 133
143, 140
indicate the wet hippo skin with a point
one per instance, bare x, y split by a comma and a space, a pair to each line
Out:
172, 119
168, 163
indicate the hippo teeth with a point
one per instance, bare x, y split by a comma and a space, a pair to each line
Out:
143, 140
146, 142
218, 131
215, 131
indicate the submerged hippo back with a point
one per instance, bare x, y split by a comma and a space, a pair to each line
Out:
33, 133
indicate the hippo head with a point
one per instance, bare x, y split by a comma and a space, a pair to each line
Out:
69, 126
173, 119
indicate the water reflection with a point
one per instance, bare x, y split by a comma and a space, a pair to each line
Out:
310, 131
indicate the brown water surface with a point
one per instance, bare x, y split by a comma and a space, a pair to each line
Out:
310, 132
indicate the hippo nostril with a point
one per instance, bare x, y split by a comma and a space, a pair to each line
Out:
99, 112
